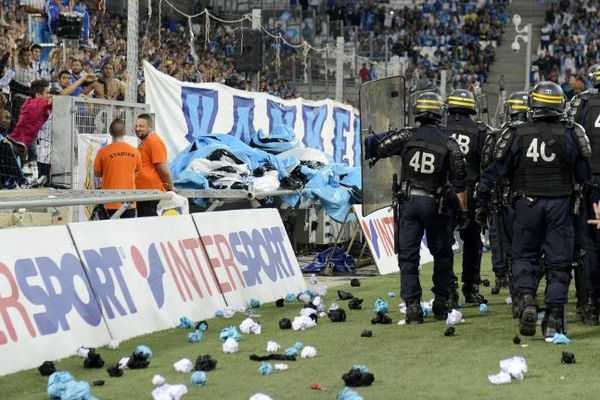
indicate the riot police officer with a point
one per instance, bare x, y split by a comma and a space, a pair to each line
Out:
429, 159
500, 221
585, 107
543, 158
470, 136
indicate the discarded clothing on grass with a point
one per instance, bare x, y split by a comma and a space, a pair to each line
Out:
342, 262
47, 368
93, 360
265, 368
183, 366
358, 376
250, 326
230, 346
185, 323
198, 378
510, 368
275, 357
169, 392
205, 363
62, 385
348, 394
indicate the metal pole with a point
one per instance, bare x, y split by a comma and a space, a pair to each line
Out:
326, 73
355, 51
371, 45
528, 58
339, 69
132, 50
387, 54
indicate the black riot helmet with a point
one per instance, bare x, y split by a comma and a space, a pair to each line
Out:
594, 75
429, 106
515, 107
462, 101
546, 99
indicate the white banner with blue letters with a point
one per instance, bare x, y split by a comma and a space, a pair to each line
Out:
184, 111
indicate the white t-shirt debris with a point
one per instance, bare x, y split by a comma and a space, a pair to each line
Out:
510, 368
250, 326
230, 346
273, 347
307, 312
308, 352
260, 396
123, 363
302, 323
184, 366
169, 392
158, 380
281, 367
454, 317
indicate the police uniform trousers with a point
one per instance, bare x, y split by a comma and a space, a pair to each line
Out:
592, 256
499, 259
419, 215
543, 226
472, 246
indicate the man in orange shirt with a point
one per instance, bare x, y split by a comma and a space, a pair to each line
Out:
155, 173
118, 164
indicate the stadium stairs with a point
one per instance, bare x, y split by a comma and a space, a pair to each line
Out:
509, 64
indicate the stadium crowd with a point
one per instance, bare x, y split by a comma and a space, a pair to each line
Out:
568, 46
460, 39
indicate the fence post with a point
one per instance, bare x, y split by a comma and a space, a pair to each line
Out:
339, 69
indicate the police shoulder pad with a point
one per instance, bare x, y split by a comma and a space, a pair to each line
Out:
503, 145
583, 143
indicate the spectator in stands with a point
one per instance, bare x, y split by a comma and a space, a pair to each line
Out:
118, 165
4, 122
112, 88
364, 73
155, 173
76, 74
42, 67
34, 113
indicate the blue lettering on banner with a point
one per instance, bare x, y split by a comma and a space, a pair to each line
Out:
357, 141
341, 119
280, 114
261, 250
200, 108
314, 119
153, 274
108, 262
374, 238
243, 119
57, 301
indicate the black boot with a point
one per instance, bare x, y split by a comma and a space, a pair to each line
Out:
414, 312
528, 317
501, 282
590, 312
472, 295
441, 307
553, 321
516, 307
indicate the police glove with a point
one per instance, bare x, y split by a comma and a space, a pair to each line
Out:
481, 215
462, 218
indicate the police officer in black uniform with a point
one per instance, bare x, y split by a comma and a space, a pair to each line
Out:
585, 107
543, 158
470, 136
429, 159
500, 221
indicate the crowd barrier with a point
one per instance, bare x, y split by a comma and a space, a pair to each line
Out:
86, 283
